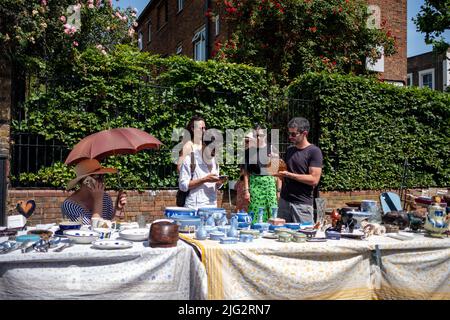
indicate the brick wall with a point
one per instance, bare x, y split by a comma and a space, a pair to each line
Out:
395, 14
152, 204
48, 203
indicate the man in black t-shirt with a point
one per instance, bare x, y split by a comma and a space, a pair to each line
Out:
304, 167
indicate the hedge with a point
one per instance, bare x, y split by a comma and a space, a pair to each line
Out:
368, 129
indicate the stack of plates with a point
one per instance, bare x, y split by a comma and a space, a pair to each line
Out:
135, 234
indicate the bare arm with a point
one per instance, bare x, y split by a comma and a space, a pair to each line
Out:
311, 179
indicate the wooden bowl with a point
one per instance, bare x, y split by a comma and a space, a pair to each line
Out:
163, 234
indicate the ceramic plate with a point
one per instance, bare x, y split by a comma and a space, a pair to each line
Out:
316, 239
135, 234
269, 235
112, 244
355, 235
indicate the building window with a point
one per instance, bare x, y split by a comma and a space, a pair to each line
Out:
426, 78
162, 14
409, 80
140, 38
179, 49
217, 24
149, 32
180, 5
199, 41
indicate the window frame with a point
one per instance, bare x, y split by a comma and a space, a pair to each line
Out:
180, 5
425, 72
409, 76
199, 37
140, 40
149, 30
179, 49
217, 25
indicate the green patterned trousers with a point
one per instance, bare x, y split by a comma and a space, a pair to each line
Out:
263, 194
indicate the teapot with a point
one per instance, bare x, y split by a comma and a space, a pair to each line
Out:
436, 221
244, 217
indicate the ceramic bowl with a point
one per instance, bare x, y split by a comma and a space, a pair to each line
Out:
282, 230
81, 236
333, 235
44, 234
246, 238
216, 235
308, 232
243, 225
293, 226
28, 237
263, 226
254, 233
224, 229
69, 225
187, 224
273, 227
210, 229
284, 237
140, 234
228, 240
179, 211
299, 237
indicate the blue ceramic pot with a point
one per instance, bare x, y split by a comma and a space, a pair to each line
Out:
186, 223
272, 227
179, 211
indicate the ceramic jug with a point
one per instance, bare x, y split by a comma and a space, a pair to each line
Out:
233, 232
201, 233
436, 221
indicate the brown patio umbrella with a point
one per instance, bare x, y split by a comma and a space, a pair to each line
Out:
111, 142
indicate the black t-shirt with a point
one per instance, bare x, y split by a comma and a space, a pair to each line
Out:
298, 161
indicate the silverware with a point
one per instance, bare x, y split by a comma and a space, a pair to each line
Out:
27, 246
64, 246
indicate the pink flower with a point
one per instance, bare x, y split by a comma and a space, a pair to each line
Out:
99, 47
110, 3
91, 6
75, 44
99, 2
63, 19
44, 2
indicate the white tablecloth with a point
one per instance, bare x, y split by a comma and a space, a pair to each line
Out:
376, 268
82, 272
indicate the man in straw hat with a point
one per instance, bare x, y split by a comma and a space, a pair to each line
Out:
91, 200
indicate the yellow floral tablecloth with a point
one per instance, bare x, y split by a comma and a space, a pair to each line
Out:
377, 268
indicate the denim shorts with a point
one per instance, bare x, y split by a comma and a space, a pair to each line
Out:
294, 212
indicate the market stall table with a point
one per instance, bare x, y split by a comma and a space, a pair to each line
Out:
377, 268
81, 272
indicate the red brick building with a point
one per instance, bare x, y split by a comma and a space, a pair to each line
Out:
429, 70
180, 27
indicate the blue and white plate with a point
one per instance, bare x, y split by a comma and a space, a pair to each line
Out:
112, 244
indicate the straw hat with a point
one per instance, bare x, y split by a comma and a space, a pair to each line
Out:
86, 168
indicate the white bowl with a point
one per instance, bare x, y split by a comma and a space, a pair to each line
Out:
82, 236
135, 234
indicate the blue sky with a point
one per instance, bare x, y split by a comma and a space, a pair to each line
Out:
416, 43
